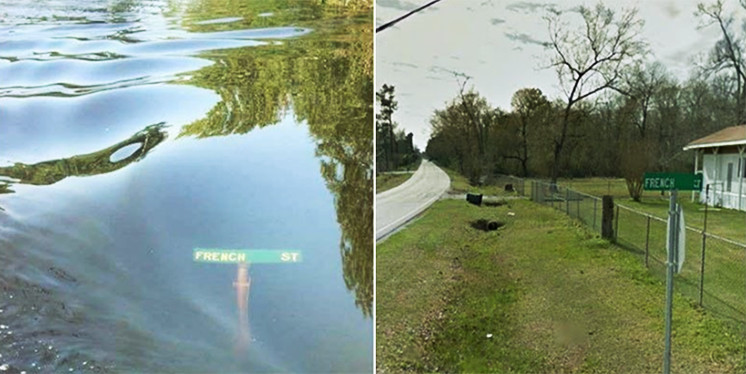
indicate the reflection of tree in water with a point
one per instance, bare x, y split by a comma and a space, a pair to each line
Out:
327, 77
339, 113
49, 172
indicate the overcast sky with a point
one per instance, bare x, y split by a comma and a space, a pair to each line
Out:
498, 44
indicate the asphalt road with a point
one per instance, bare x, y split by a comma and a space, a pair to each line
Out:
398, 205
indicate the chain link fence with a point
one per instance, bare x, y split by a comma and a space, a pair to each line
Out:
509, 183
714, 271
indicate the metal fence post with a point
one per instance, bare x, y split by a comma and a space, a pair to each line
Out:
577, 205
595, 204
647, 243
704, 247
702, 268
523, 187
567, 201
616, 224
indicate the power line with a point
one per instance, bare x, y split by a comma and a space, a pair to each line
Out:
392, 23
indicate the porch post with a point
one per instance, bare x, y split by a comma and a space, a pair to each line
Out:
696, 166
717, 176
741, 148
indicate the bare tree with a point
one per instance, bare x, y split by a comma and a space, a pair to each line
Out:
728, 53
590, 59
642, 85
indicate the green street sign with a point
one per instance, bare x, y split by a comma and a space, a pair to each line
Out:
672, 181
254, 256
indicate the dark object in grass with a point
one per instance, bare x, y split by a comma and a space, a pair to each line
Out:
485, 225
509, 187
494, 203
474, 199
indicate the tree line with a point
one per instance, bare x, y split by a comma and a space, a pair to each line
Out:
619, 113
394, 149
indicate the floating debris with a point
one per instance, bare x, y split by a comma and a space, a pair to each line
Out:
511, 214
3, 367
3, 327
489, 336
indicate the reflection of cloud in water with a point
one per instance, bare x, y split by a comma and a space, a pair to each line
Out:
524, 38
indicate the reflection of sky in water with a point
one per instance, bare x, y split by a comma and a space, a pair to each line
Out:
260, 190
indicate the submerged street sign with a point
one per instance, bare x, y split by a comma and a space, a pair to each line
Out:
672, 181
254, 256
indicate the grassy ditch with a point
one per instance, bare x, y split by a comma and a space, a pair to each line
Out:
540, 294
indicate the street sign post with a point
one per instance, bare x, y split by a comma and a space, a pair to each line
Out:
254, 256
244, 257
675, 238
680, 250
672, 181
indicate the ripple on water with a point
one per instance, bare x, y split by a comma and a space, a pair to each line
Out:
219, 20
27, 74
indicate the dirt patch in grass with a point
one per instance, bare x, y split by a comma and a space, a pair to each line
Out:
486, 225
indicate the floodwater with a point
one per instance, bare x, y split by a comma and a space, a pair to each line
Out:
133, 132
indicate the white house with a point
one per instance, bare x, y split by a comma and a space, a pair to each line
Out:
722, 156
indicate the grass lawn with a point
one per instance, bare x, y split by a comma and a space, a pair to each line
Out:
540, 294
388, 181
728, 223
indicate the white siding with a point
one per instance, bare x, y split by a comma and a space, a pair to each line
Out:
715, 169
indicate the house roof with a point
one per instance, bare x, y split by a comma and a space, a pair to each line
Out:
734, 135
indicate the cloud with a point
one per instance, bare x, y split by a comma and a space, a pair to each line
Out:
441, 70
397, 4
670, 8
528, 7
496, 21
405, 64
524, 38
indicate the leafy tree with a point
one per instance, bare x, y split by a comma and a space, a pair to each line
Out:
531, 110
385, 140
463, 129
